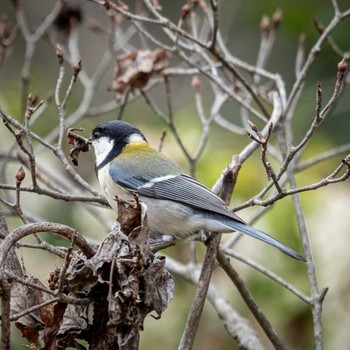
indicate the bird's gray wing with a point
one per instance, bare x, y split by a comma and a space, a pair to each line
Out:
126, 179
134, 172
179, 188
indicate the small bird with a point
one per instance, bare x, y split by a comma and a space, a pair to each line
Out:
177, 204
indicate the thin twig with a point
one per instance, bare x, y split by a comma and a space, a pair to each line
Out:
34, 308
266, 272
67, 260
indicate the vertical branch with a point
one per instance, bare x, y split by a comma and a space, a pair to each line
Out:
268, 34
215, 18
186, 343
20, 175
11, 263
170, 121
316, 297
59, 55
62, 107
31, 39
29, 151
5, 292
196, 310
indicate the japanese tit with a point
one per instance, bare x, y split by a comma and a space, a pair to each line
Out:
177, 204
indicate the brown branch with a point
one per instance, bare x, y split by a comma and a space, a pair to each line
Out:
29, 229
34, 308
198, 47
263, 141
25, 282
296, 150
319, 95
215, 25
58, 195
67, 261
330, 179
320, 28
316, 159
250, 302
195, 313
5, 292
12, 263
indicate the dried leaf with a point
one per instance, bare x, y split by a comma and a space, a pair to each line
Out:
124, 283
134, 69
24, 297
158, 294
76, 319
108, 295
80, 144
49, 338
129, 215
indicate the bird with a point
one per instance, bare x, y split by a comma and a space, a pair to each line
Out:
177, 204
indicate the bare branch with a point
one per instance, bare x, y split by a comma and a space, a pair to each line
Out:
266, 272
254, 308
5, 313
29, 229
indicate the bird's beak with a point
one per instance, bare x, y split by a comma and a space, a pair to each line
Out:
89, 140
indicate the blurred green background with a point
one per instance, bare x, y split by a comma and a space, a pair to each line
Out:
326, 210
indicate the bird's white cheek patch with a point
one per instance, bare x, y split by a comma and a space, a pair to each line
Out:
135, 138
102, 148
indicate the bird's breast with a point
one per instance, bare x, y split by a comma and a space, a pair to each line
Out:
110, 189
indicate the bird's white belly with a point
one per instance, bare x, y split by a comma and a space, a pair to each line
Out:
171, 218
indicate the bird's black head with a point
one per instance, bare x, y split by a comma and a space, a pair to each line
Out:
109, 139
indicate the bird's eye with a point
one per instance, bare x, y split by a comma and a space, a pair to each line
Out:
96, 134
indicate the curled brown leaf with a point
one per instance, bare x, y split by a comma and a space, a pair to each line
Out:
80, 144
134, 69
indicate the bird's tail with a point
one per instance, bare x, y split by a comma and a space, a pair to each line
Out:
262, 236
